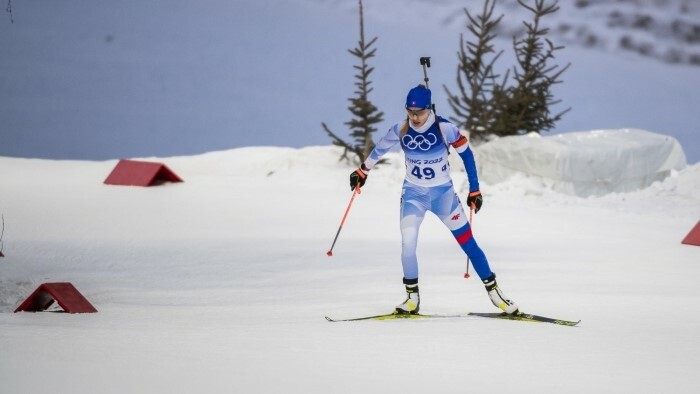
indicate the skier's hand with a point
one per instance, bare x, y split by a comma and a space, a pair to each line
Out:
358, 178
475, 200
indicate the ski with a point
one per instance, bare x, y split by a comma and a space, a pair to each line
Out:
495, 315
525, 317
396, 316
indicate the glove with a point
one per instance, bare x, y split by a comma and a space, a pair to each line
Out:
358, 177
475, 200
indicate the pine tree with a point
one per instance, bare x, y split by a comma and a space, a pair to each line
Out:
365, 114
531, 98
474, 105
9, 10
485, 106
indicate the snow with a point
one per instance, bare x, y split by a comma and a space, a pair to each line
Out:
221, 283
580, 163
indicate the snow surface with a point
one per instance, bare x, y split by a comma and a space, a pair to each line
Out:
220, 284
584, 163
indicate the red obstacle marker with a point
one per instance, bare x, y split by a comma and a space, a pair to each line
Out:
693, 237
140, 173
64, 293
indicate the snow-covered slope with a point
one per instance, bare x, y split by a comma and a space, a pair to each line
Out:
220, 284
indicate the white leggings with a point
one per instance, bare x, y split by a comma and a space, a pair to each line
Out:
445, 204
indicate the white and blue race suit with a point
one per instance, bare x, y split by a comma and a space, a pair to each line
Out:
428, 186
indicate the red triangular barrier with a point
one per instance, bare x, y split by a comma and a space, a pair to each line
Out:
64, 293
693, 237
140, 173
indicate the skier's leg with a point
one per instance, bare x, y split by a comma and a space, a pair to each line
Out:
450, 211
456, 221
413, 210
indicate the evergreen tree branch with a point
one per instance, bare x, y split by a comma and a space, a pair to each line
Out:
9, 10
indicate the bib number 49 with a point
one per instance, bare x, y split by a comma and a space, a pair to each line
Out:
425, 172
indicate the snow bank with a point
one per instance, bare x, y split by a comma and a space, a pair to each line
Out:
584, 163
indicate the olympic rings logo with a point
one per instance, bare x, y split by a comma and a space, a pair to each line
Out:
420, 141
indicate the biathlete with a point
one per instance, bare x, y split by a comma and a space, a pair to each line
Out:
425, 139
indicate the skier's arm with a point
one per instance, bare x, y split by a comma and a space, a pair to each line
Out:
359, 176
474, 200
465, 152
461, 145
383, 146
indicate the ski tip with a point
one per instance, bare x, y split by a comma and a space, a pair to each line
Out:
525, 317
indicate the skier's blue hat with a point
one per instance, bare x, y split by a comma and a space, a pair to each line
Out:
418, 97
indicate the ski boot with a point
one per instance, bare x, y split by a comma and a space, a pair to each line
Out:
412, 303
497, 297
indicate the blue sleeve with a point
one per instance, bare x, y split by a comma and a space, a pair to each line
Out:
461, 144
470, 166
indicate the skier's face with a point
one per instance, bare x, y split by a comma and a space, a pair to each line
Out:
417, 116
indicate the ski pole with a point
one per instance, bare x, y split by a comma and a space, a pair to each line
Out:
471, 221
355, 192
425, 62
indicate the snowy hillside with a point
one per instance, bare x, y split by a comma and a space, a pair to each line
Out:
98, 80
666, 31
220, 284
